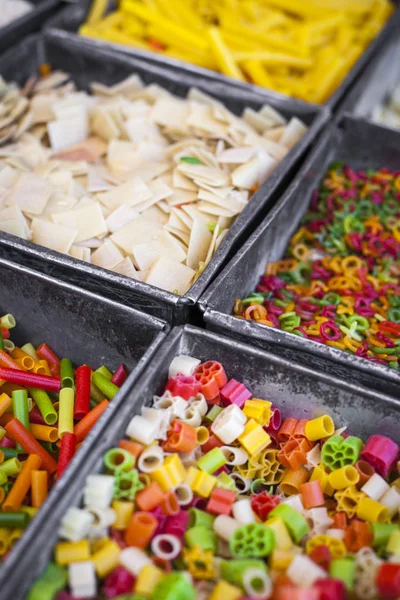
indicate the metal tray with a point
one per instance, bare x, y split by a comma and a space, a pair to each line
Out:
86, 64
71, 18
29, 23
297, 390
360, 144
377, 81
82, 326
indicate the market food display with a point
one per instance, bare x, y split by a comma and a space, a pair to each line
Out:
338, 283
47, 407
214, 495
241, 475
302, 49
132, 178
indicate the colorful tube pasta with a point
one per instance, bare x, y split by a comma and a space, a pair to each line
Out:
47, 408
339, 281
176, 524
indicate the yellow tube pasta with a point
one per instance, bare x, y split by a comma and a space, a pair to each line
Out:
68, 552
4, 540
66, 412
44, 433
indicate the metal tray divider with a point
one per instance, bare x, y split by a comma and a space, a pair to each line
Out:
83, 59
354, 141
58, 313
378, 79
28, 23
71, 18
298, 389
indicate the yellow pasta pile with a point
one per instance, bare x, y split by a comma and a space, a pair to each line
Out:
302, 48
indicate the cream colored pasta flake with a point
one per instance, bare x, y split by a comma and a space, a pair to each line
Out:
130, 177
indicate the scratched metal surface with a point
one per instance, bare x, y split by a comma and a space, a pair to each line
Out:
296, 390
84, 327
87, 63
29, 23
360, 144
72, 17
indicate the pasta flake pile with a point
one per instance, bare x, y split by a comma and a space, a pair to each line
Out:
132, 178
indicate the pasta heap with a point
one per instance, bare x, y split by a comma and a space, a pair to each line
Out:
132, 178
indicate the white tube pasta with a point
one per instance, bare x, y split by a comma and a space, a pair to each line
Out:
166, 546
229, 424
175, 404
161, 418
185, 365
225, 526
295, 502
103, 519
150, 459
82, 579
199, 403
192, 417
375, 487
304, 572
142, 430
391, 499
234, 456
257, 584
336, 533
242, 484
98, 491
134, 559
184, 493
243, 512
75, 524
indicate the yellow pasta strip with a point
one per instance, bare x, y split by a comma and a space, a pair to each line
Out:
177, 36
315, 8
274, 41
326, 25
301, 9
327, 82
179, 11
111, 20
138, 10
97, 10
223, 56
119, 38
236, 41
273, 59
193, 40
303, 48
162, 34
201, 60
257, 72
344, 38
133, 28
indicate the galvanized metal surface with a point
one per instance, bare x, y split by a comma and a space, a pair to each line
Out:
29, 23
359, 144
84, 327
378, 80
87, 64
71, 18
296, 390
